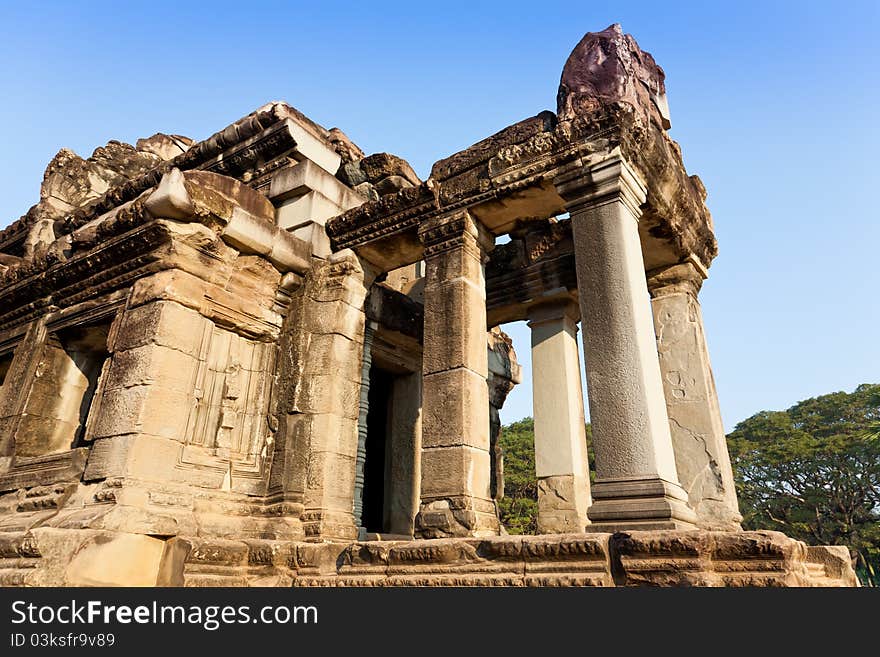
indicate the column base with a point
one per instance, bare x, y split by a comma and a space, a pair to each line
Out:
457, 516
716, 515
324, 524
639, 504
562, 504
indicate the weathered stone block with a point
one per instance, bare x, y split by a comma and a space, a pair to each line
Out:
164, 323
310, 207
154, 458
305, 177
382, 165
170, 285
562, 504
107, 457
455, 404
331, 477
328, 393
335, 353
116, 560
315, 236
459, 339
143, 409
325, 432
451, 471
152, 364
37, 435
453, 265
335, 317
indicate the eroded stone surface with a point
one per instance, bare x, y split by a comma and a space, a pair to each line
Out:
701, 457
700, 558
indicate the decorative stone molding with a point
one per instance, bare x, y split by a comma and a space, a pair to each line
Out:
45, 557
458, 230
585, 186
682, 278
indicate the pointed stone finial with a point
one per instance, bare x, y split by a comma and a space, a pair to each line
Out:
608, 67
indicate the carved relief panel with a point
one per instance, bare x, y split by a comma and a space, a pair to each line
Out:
228, 425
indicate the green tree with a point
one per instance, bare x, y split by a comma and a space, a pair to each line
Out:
519, 506
813, 472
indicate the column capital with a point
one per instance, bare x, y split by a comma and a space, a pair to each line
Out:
456, 229
611, 180
555, 310
683, 277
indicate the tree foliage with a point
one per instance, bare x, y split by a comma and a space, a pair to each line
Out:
813, 472
519, 506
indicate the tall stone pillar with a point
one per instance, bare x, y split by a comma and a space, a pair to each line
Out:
558, 408
701, 456
326, 401
636, 483
504, 373
456, 497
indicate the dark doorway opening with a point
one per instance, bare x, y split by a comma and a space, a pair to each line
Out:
374, 518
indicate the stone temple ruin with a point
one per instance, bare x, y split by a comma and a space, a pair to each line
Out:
266, 359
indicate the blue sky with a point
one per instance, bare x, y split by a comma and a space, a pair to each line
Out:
775, 106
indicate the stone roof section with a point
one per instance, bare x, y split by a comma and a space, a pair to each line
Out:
133, 170
611, 96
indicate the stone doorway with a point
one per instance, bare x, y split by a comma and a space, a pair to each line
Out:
390, 494
374, 518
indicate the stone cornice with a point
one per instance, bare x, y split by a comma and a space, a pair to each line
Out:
258, 131
241, 147
113, 264
390, 215
251, 154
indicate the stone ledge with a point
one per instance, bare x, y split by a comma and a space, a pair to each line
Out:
642, 558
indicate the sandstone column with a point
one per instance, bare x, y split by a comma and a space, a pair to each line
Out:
326, 401
504, 373
636, 483
701, 456
456, 498
560, 437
